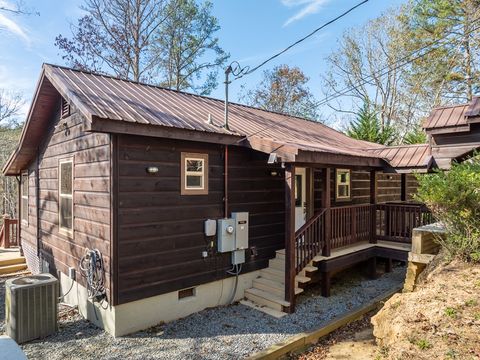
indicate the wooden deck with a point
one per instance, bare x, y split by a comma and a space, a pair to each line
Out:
349, 249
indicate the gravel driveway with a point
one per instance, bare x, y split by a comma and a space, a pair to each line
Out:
229, 332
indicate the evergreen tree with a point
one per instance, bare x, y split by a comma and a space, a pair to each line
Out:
368, 127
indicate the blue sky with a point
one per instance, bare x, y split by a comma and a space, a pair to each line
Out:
251, 30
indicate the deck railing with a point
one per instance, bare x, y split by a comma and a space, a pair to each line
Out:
357, 223
309, 240
9, 233
350, 224
396, 221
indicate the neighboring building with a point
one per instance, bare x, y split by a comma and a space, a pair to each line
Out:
454, 132
134, 171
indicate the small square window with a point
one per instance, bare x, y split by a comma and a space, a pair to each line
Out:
194, 174
342, 184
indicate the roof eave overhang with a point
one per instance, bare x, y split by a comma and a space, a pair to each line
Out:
102, 125
448, 130
338, 159
9, 169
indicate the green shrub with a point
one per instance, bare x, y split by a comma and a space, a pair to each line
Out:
451, 312
423, 344
454, 198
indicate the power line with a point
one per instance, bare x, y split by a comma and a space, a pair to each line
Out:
248, 71
365, 80
379, 74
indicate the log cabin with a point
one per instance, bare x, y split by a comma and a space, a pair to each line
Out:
189, 208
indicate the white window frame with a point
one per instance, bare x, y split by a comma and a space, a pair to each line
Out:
346, 183
23, 195
203, 174
62, 229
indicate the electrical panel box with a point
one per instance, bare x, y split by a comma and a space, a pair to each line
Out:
238, 257
225, 235
210, 227
241, 230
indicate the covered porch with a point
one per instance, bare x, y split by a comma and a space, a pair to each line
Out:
337, 233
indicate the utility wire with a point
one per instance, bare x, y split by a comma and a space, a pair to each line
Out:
248, 71
379, 74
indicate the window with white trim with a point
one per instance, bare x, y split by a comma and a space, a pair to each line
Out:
24, 197
194, 174
343, 184
65, 195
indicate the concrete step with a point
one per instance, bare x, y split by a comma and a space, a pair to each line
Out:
266, 299
8, 269
272, 286
12, 261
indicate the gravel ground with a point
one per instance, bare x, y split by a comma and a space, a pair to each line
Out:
229, 332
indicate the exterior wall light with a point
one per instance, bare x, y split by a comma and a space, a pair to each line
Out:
152, 169
273, 173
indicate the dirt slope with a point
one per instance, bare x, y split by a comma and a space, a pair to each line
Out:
439, 320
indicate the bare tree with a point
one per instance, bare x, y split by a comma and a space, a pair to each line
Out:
284, 89
17, 8
365, 69
10, 109
116, 34
11, 104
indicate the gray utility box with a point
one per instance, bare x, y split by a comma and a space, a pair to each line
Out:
226, 235
241, 230
31, 307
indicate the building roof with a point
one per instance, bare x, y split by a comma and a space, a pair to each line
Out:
453, 118
113, 105
405, 157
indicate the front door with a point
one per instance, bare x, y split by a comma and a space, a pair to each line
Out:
300, 197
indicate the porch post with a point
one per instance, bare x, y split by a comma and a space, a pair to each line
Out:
290, 236
373, 201
326, 204
403, 187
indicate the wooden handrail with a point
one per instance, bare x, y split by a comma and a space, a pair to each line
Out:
357, 223
309, 240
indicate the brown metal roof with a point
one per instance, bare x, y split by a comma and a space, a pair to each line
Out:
448, 116
114, 105
406, 156
105, 97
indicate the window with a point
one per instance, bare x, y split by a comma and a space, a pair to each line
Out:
24, 197
343, 184
194, 174
298, 190
65, 195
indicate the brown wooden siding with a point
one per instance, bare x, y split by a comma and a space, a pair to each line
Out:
388, 188
91, 195
160, 232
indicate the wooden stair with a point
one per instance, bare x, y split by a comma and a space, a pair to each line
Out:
268, 290
13, 265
